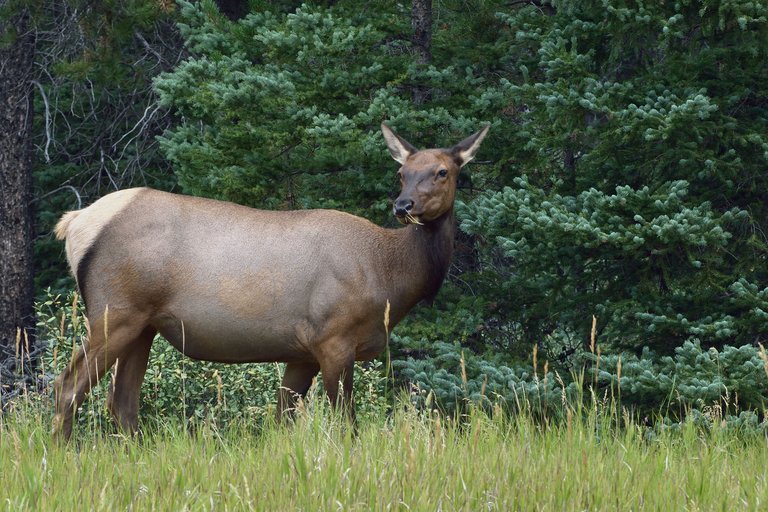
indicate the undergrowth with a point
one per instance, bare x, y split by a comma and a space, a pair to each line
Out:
727, 387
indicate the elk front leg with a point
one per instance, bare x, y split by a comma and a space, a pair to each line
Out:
338, 368
297, 380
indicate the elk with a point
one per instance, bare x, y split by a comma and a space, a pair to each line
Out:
224, 282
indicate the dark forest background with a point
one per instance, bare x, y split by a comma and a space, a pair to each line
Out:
615, 218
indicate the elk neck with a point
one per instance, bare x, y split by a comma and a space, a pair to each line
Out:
418, 260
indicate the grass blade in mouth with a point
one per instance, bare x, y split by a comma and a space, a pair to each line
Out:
413, 220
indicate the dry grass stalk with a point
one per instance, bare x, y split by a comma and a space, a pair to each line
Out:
114, 373
764, 357
219, 387
413, 220
18, 347
386, 319
463, 371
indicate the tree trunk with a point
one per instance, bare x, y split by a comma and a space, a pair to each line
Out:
421, 21
16, 234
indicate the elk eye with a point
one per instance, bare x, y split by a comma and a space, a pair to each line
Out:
442, 173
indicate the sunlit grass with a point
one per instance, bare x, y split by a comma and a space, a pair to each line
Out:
407, 461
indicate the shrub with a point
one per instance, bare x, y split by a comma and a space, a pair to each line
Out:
733, 380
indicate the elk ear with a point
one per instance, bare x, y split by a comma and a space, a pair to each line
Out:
465, 150
399, 148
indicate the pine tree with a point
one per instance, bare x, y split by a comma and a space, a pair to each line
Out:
281, 109
640, 174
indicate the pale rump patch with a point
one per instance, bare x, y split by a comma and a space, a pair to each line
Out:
80, 228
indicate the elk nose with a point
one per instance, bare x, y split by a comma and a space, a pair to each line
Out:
403, 207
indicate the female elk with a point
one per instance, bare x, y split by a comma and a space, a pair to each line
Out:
223, 282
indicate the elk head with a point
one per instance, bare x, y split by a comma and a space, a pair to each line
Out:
428, 177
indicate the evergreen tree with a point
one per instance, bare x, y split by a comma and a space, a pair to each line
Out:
281, 109
639, 163
623, 176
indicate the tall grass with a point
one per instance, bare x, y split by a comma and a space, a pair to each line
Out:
409, 460
591, 455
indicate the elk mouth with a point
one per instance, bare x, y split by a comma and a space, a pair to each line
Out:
409, 219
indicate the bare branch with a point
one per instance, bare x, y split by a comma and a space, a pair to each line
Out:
147, 46
56, 190
48, 121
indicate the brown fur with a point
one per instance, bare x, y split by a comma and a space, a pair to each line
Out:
223, 282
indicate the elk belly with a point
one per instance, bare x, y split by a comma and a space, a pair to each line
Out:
236, 321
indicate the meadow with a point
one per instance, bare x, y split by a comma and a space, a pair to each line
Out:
404, 460
208, 441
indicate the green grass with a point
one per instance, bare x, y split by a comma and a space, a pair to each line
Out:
233, 457
409, 461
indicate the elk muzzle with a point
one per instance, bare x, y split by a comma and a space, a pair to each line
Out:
402, 207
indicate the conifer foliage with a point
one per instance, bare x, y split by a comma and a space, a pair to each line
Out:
282, 107
624, 177
641, 174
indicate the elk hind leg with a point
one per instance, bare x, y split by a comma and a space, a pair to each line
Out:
125, 389
87, 367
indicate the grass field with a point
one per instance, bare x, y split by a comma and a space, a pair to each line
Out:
407, 461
